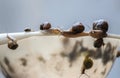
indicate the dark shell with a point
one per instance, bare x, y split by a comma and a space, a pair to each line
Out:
88, 63
45, 26
12, 45
98, 43
27, 30
78, 28
100, 25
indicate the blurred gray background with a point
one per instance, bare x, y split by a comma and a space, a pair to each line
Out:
15, 15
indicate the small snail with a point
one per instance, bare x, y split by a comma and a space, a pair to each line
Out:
98, 43
75, 31
27, 30
45, 26
77, 28
12, 44
87, 64
100, 25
